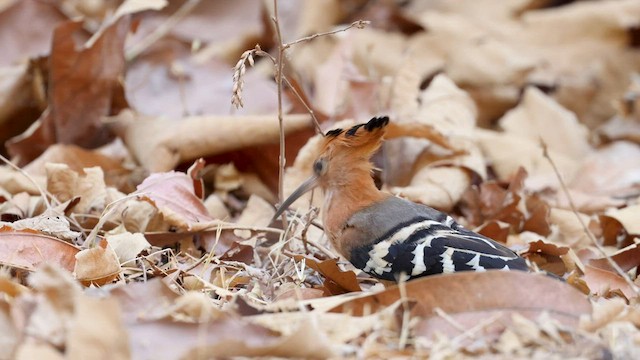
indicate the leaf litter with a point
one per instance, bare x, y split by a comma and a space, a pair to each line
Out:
136, 221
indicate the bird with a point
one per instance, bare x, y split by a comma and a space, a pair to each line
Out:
388, 237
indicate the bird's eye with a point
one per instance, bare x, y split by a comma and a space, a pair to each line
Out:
320, 166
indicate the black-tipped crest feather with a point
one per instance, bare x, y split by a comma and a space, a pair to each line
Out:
334, 132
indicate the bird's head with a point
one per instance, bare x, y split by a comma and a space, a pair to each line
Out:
344, 158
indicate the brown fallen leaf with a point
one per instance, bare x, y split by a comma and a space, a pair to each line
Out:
496, 230
81, 89
547, 257
628, 217
480, 291
27, 249
336, 281
50, 314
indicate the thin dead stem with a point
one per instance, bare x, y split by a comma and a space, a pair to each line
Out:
613, 264
278, 61
280, 68
360, 24
239, 71
316, 123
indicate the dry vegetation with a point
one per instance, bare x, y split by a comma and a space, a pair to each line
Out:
144, 149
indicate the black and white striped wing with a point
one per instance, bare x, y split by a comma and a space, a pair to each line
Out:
432, 245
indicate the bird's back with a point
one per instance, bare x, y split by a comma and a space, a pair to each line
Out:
398, 236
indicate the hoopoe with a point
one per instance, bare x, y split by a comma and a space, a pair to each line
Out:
384, 235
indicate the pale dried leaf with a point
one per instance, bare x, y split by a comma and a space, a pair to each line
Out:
439, 187
216, 207
127, 246
65, 184
97, 265
539, 117
507, 153
50, 222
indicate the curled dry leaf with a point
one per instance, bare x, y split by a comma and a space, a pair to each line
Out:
15, 182
160, 145
193, 306
77, 159
628, 217
610, 171
27, 249
127, 246
547, 256
65, 184
569, 230
606, 311
507, 153
98, 265
173, 194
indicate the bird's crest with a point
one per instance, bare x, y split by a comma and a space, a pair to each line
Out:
363, 139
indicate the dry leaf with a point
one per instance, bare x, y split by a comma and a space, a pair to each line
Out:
337, 281
98, 265
81, 87
538, 117
65, 184
27, 249
628, 217
173, 194
77, 159
160, 145
127, 246
602, 281
476, 292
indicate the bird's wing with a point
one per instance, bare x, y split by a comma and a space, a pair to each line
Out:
396, 236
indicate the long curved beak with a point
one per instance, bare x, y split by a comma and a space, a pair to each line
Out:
305, 187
